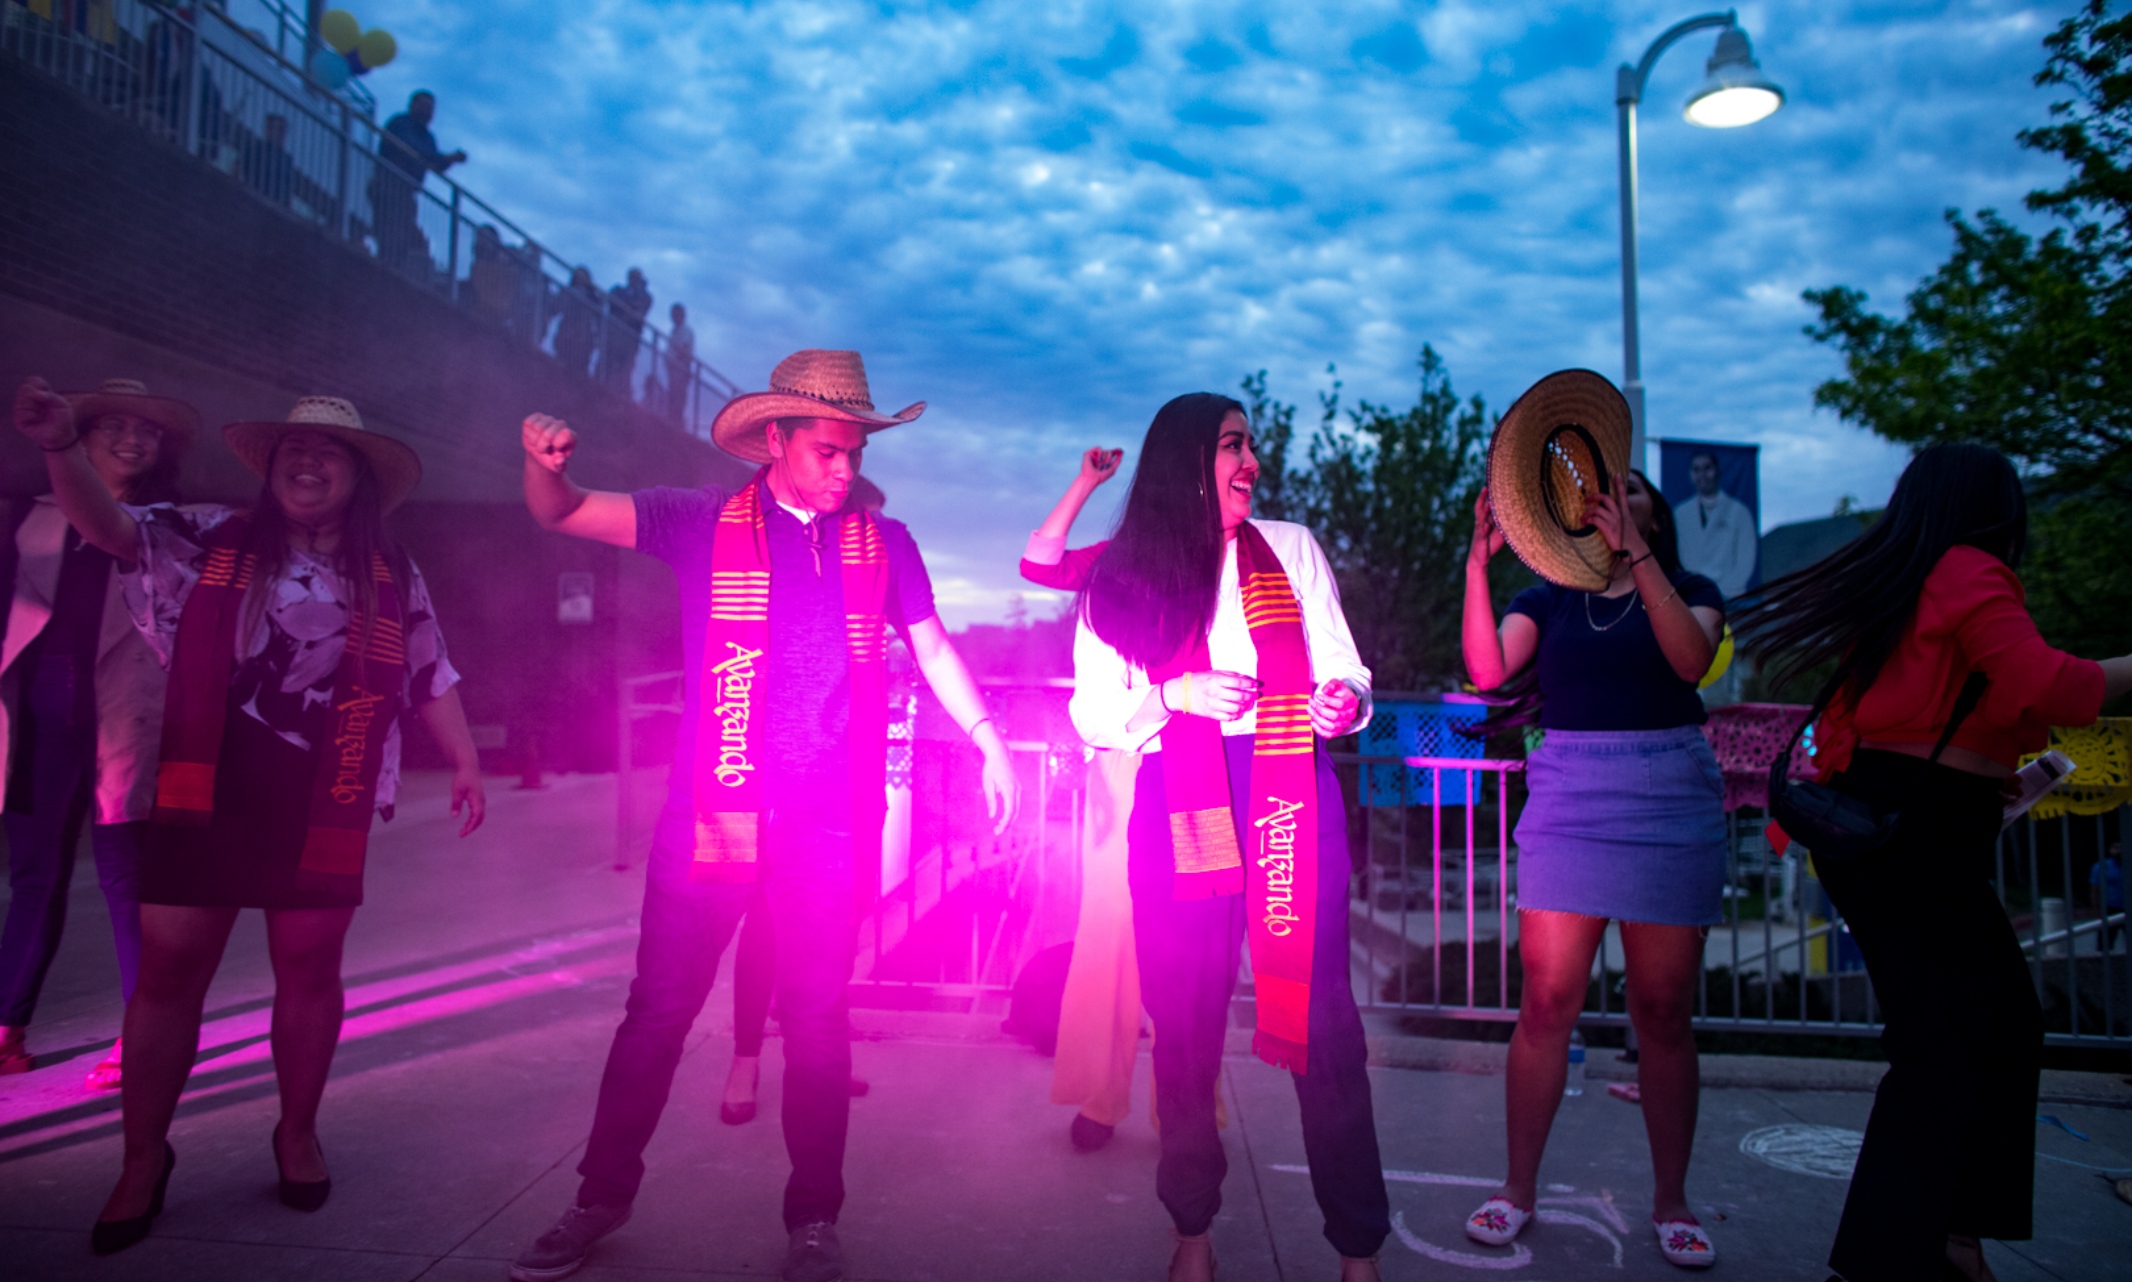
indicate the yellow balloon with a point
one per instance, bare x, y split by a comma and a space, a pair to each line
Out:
339, 29
1719, 661
377, 48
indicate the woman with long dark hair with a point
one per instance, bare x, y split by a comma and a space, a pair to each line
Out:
83, 710
1909, 614
290, 629
1624, 821
1214, 645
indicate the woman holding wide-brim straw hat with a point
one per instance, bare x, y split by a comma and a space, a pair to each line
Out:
83, 709
1625, 813
287, 627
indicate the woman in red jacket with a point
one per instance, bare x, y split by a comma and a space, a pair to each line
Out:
1906, 613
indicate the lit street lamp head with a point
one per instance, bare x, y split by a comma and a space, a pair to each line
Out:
1734, 91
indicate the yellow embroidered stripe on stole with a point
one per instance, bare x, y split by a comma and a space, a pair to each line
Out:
740, 596
185, 785
866, 636
1205, 840
727, 837
860, 542
220, 570
1284, 725
1267, 599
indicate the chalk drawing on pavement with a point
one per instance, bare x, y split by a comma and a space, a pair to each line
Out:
1825, 1151
1603, 1219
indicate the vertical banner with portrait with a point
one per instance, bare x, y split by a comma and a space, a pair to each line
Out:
1716, 493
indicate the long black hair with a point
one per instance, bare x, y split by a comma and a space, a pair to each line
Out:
363, 533
1153, 589
1853, 606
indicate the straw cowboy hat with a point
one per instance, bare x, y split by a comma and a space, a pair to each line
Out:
1557, 449
397, 466
180, 422
809, 384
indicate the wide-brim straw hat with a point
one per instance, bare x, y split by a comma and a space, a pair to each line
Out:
398, 467
180, 422
809, 384
1559, 447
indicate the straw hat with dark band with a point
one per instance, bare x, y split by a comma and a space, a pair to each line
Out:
398, 467
1557, 449
180, 422
809, 384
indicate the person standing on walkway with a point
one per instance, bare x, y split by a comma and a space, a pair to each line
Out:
787, 593
285, 628
407, 154
680, 364
82, 710
1922, 607
1214, 646
627, 306
1625, 813
1099, 1012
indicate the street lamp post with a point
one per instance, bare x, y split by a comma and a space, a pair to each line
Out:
1734, 92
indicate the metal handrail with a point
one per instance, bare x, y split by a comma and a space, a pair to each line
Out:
233, 100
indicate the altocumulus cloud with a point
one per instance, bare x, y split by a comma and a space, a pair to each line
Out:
1046, 219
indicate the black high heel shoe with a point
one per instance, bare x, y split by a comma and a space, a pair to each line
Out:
109, 1237
299, 1195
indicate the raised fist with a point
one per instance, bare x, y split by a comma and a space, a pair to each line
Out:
548, 440
43, 415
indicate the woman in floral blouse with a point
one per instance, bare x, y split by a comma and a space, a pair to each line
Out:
295, 632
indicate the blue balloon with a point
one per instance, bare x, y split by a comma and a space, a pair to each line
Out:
329, 69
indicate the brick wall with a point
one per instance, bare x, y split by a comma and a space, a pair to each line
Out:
122, 256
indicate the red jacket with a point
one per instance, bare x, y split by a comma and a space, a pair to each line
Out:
1971, 616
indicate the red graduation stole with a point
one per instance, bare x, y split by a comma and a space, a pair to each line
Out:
366, 698
1280, 879
729, 796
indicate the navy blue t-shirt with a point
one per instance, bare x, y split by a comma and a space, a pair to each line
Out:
806, 690
1599, 663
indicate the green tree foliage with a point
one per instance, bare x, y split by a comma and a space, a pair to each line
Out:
1389, 494
2025, 343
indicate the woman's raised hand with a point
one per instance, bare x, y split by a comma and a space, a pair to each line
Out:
1223, 696
1099, 465
548, 441
1609, 513
43, 415
1487, 535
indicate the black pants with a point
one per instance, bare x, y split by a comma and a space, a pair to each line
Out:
1951, 1146
50, 794
1189, 952
807, 886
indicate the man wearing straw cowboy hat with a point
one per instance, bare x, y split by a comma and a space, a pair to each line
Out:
787, 588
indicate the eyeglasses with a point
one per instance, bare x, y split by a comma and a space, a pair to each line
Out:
118, 429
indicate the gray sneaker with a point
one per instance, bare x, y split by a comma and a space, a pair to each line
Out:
561, 1250
815, 1255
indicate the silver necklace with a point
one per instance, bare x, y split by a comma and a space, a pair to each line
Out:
1635, 600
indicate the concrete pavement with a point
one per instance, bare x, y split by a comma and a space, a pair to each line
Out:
485, 978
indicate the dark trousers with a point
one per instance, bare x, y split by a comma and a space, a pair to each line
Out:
1189, 951
49, 795
1951, 1144
754, 975
807, 887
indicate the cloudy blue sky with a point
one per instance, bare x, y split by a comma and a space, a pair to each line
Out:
1047, 218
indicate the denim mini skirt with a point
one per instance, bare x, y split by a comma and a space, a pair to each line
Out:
1626, 824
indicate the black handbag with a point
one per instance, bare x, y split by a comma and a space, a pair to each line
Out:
1836, 827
